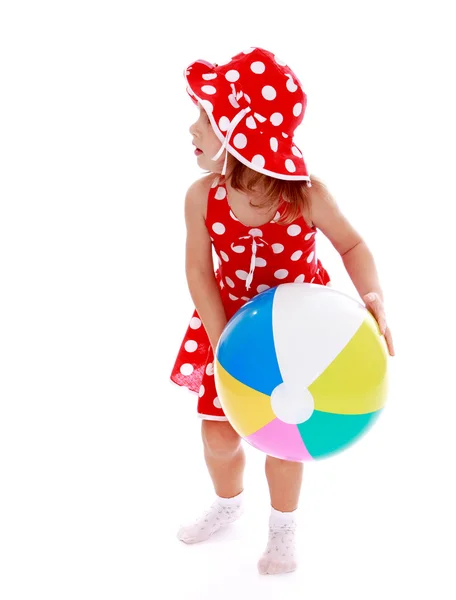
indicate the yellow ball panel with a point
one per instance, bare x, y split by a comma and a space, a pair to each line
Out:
356, 381
246, 409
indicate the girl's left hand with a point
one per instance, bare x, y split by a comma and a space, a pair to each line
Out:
375, 306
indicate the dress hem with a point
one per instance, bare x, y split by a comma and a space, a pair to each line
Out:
199, 415
210, 417
179, 385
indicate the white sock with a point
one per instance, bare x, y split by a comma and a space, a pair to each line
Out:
223, 511
279, 556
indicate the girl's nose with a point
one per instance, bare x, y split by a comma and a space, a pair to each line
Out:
193, 129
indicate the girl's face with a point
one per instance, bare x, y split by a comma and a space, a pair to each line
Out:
207, 143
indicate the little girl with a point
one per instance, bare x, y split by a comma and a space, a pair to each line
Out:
258, 209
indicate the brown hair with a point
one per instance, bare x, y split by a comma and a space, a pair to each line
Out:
270, 190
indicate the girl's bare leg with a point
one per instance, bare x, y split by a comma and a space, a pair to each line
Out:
225, 460
284, 480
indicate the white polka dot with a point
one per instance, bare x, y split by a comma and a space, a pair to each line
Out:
310, 257
312, 280
260, 262
242, 275
218, 228
195, 323
309, 235
268, 92
280, 61
238, 249
248, 51
251, 123
262, 288
276, 119
274, 144
191, 346
258, 67
217, 402
209, 76
290, 166
232, 75
224, 123
230, 282
247, 98
277, 248
291, 86
220, 194
233, 216
294, 230
231, 297
240, 141
208, 89
256, 233
276, 217
300, 279
285, 135
258, 161
210, 369
186, 369
245, 298
207, 106
260, 118
296, 152
224, 255
296, 255
201, 391
281, 274
233, 101
297, 109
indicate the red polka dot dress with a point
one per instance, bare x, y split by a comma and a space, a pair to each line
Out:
251, 260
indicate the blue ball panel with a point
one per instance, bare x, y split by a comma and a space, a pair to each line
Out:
246, 348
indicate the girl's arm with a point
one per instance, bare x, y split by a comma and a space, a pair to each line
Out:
356, 256
199, 266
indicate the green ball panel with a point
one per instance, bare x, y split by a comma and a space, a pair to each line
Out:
327, 433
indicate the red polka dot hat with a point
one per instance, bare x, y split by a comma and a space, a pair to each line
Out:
254, 103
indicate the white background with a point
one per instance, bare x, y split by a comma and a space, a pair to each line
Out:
100, 456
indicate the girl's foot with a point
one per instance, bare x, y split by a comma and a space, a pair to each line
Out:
222, 512
279, 556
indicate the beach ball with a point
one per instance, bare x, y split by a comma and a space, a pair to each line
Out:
301, 371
